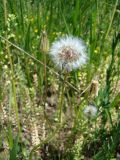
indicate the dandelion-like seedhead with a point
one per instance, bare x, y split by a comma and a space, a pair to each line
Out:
90, 111
69, 53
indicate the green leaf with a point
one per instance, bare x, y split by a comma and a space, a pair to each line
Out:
13, 152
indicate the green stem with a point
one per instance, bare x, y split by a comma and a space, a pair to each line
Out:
109, 27
62, 98
11, 66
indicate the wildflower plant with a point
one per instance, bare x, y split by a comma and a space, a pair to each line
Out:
69, 53
90, 111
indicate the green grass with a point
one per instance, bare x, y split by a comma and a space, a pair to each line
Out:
41, 109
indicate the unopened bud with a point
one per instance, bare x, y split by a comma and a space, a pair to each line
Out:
94, 88
44, 43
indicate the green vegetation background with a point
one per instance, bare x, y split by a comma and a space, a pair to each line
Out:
25, 28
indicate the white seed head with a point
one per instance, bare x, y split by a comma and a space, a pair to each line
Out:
69, 53
90, 111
